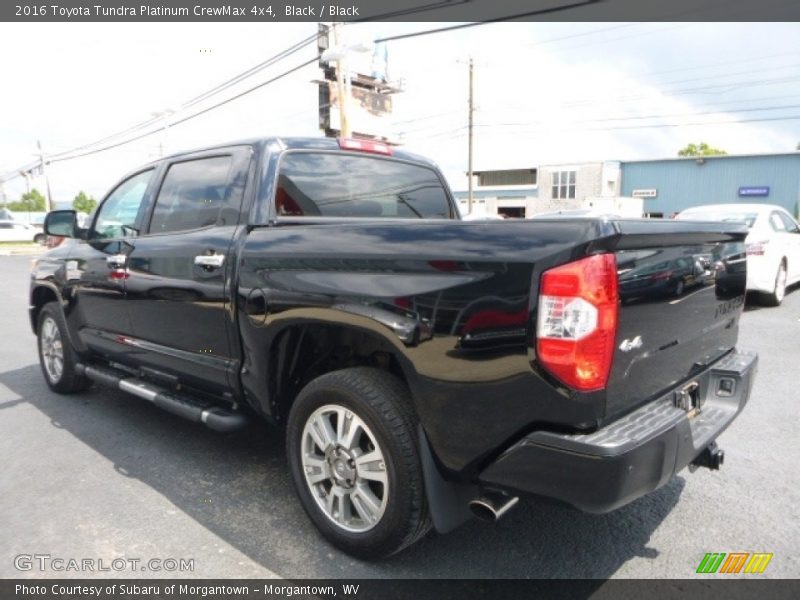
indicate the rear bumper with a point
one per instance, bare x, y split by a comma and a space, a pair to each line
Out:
628, 458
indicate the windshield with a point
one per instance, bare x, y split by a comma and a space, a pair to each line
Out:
748, 218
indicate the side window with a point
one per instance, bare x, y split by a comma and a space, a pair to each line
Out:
117, 215
776, 222
789, 222
192, 195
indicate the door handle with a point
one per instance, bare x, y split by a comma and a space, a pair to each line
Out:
116, 261
210, 261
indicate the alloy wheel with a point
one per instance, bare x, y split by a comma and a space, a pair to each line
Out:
52, 350
344, 468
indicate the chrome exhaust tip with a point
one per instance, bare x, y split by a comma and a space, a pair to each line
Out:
492, 507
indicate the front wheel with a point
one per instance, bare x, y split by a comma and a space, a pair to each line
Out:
56, 356
779, 292
352, 451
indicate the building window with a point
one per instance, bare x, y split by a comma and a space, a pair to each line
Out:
507, 177
564, 184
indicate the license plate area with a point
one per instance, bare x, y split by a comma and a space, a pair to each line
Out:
688, 399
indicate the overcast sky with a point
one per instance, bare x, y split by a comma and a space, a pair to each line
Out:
545, 93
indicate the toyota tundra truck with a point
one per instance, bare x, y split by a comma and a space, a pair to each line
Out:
424, 369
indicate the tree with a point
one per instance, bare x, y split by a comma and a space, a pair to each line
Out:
32, 201
84, 203
701, 149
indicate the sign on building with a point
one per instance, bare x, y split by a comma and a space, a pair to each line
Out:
645, 193
754, 191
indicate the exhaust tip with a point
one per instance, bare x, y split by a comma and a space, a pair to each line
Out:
492, 508
483, 511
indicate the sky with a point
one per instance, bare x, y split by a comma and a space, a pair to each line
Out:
545, 93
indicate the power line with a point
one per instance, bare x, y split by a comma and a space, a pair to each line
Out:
197, 114
205, 95
532, 13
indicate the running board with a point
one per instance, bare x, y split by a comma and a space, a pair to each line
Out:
194, 409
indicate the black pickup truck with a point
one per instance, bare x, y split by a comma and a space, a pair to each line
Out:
424, 368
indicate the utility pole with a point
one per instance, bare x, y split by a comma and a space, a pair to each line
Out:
48, 195
471, 111
341, 66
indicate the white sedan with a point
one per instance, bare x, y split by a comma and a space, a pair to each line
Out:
12, 231
773, 244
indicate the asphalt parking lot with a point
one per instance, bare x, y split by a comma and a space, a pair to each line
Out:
103, 475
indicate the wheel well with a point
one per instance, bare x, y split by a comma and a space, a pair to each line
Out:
40, 296
301, 353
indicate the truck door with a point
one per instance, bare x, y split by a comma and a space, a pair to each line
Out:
94, 267
177, 296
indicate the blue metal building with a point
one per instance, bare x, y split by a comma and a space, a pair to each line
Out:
673, 184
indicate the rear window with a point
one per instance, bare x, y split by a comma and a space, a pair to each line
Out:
342, 185
748, 218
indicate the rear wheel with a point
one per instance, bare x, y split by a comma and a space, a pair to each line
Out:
352, 451
40, 239
779, 292
56, 356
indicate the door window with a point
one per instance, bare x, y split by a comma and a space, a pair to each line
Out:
117, 216
776, 222
192, 195
789, 222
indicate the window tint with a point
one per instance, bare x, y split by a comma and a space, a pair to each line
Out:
789, 222
331, 185
192, 195
776, 222
117, 215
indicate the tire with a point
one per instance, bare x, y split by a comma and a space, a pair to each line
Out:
779, 291
332, 485
679, 287
57, 358
40, 239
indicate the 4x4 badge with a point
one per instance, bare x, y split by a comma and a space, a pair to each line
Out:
628, 345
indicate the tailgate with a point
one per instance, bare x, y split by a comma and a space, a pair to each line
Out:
681, 289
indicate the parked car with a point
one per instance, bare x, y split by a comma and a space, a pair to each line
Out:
12, 231
425, 369
772, 246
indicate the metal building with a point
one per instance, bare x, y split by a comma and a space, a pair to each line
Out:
670, 185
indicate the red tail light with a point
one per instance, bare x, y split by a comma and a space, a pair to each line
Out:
756, 248
577, 321
364, 146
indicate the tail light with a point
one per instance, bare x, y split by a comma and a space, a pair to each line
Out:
756, 248
577, 321
364, 146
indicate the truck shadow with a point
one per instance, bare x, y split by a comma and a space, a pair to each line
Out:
238, 487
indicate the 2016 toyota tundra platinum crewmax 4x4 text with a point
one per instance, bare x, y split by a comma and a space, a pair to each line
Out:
424, 368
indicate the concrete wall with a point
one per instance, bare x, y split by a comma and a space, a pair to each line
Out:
588, 182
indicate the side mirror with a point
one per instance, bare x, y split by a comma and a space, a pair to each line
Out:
63, 223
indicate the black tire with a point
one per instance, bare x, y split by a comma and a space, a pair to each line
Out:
779, 291
679, 287
382, 402
68, 381
40, 239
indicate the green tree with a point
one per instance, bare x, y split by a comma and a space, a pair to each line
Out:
701, 149
84, 203
32, 201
